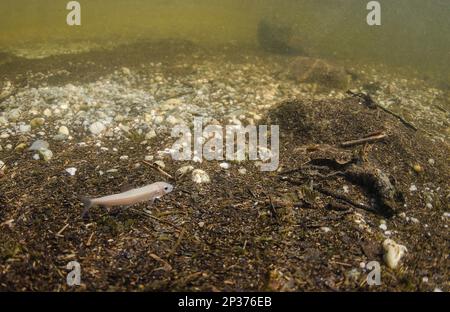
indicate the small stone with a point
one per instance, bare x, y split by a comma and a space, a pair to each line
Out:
126, 71
325, 229
431, 161
201, 224
37, 122
160, 164
24, 128
199, 176
429, 205
393, 253
124, 157
225, 165
183, 170
47, 112
3, 120
20, 147
150, 135
97, 128
418, 168
14, 114
413, 188
383, 227
39, 145
172, 120
45, 154
71, 171
36, 157
242, 171
414, 220
63, 130
148, 158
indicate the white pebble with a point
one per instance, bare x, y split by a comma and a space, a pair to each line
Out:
124, 157
413, 188
97, 128
225, 165
383, 226
325, 229
183, 170
393, 253
71, 171
63, 130
199, 176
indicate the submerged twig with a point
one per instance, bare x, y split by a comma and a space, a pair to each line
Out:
160, 170
370, 139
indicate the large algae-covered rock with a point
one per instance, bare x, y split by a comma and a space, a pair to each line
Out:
278, 38
324, 73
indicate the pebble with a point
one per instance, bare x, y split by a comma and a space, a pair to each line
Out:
45, 154
201, 224
97, 127
37, 122
150, 135
225, 165
3, 120
431, 161
183, 170
24, 128
413, 188
148, 158
14, 114
242, 171
38, 145
63, 130
199, 176
71, 171
383, 226
393, 253
325, 229
160, 164
418, 168
124, 157
36, 157
20, 147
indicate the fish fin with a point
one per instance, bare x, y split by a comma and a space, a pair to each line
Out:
87, 205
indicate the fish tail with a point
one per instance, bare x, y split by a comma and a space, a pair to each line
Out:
87, 205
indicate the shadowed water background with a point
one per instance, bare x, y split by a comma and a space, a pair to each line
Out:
413, 33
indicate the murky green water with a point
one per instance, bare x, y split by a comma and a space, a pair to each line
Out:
413, 33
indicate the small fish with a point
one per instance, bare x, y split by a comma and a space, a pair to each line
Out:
149, 192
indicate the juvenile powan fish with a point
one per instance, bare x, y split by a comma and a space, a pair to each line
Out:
131, 197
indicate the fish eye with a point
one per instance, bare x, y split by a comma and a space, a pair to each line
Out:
166, 188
